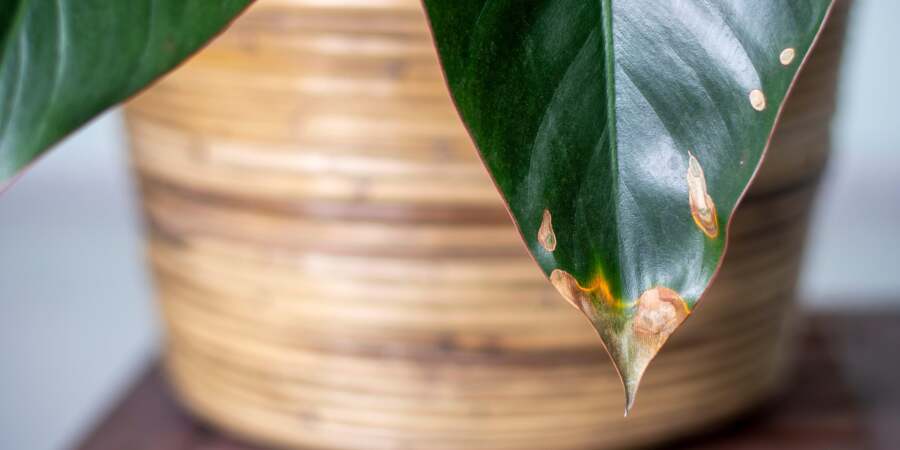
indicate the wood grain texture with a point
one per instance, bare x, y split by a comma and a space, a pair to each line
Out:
336, 270
837, 398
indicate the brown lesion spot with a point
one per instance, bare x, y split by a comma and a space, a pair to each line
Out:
703, 209
582, 297
659, 312
546, 236
568, 287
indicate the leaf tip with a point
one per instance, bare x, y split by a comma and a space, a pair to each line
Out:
632, 333
631, 371
630, 395
633, 338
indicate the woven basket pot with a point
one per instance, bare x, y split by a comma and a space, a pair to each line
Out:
337, 271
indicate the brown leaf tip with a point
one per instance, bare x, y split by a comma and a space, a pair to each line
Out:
659, 311
643, 330
703, 209
546, 236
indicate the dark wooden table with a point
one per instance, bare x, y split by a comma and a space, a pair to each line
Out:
844, 394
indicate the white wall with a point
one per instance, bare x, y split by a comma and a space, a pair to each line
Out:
854, 255
76, 319
76, 316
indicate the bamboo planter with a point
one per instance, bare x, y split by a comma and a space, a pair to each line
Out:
337, 271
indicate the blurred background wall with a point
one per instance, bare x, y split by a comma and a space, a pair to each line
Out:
77, 320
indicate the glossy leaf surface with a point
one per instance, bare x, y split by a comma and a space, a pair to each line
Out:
622, 134
64, 61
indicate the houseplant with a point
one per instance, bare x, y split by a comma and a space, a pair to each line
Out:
189, 147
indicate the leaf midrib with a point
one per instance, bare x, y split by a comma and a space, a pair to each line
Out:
609, 69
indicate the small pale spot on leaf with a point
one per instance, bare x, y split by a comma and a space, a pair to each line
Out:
757, 100
703, 209
546, 236
787, 56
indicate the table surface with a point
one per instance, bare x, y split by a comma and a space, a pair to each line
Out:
844, 394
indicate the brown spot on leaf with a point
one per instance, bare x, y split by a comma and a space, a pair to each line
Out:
546, 236
659, 312
582, 297
568, 287
703, 209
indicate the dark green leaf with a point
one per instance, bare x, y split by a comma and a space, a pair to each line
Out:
64, 61
622, 134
